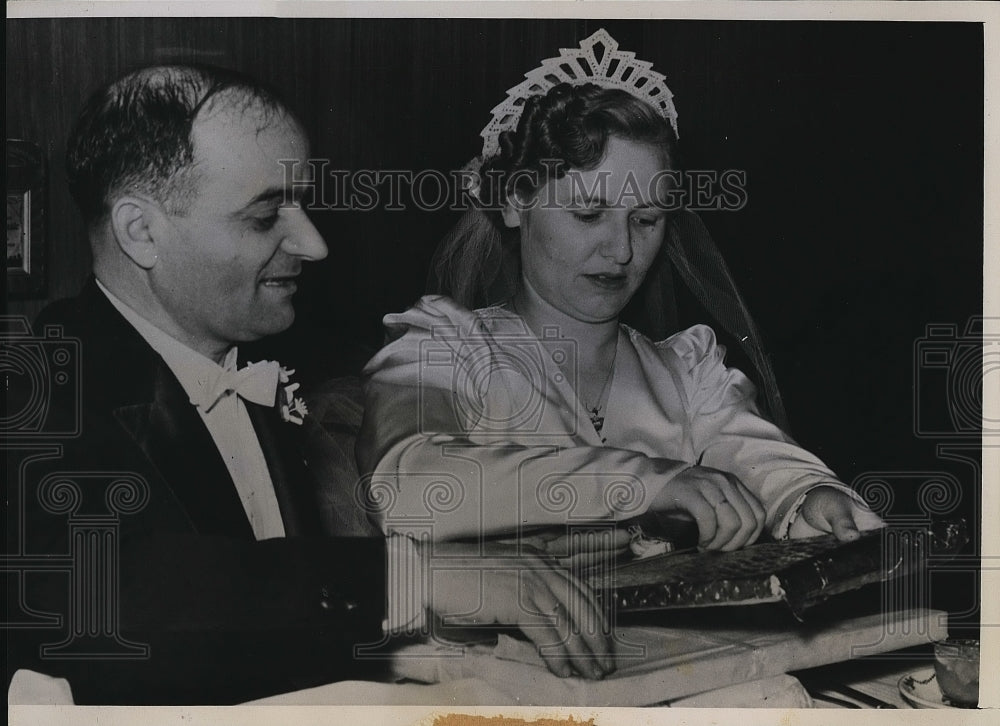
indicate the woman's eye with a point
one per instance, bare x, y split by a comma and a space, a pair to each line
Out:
587, 216
646, 221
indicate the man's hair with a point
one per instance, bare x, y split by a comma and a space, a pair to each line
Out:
134, 135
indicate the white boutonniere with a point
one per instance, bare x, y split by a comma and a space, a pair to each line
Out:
293, 408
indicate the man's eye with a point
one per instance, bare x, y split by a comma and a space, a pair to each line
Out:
587, 216
263, 224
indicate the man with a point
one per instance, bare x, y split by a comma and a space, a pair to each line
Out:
224, 570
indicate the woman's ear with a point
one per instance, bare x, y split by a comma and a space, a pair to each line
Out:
511, 212
133, 221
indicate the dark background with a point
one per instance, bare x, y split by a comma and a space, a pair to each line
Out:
862, 144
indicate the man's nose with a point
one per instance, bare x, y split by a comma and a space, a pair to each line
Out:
303, 239
617, 245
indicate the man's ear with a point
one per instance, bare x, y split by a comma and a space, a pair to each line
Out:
134, 224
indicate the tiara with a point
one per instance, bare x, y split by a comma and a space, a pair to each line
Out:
597, 60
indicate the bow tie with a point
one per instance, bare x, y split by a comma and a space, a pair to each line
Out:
256, 382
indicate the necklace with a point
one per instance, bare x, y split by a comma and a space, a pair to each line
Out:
594, 412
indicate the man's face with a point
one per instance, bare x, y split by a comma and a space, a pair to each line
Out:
226, 265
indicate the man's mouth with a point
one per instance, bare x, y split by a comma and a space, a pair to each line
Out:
279, 281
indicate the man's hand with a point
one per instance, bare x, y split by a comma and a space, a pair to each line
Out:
531, 591
827, 510
581, 549
727, 513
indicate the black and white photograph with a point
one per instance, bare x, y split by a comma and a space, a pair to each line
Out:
569, 362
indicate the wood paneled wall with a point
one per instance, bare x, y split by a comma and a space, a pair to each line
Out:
372, 94
862, 145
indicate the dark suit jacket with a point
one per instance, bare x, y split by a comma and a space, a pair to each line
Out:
226, 618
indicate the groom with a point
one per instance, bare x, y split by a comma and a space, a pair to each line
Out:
225, 572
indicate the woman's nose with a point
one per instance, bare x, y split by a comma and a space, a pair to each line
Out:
303, 239
617, 245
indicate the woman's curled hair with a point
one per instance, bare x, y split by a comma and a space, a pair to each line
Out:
477, 263
566, 128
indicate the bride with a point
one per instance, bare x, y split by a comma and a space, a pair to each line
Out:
542, 408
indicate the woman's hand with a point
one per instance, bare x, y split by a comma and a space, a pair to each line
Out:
828, 510
727, 513
508, 586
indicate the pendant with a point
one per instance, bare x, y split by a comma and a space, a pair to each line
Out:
598, 422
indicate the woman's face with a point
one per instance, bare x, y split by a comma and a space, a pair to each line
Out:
588, 239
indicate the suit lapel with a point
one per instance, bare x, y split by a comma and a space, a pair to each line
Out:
293, 483
174, 438
124, 375
149, 403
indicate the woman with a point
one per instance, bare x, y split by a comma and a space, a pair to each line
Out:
544, 409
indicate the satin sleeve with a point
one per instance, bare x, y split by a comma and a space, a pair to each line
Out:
728, 432
452, 443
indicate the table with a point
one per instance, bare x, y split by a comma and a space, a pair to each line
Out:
684, 665
865, 683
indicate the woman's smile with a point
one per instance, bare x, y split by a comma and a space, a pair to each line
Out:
615, 282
